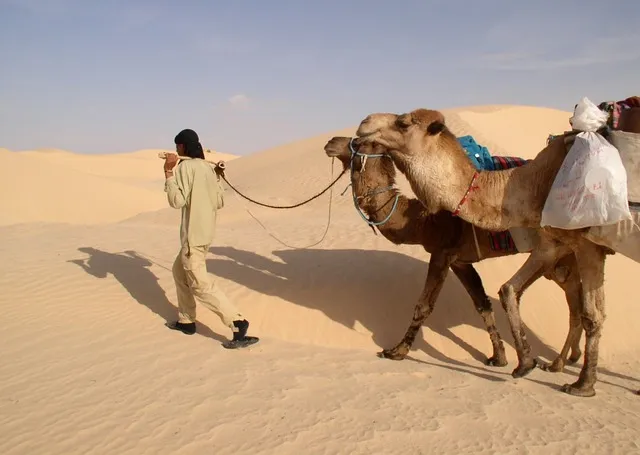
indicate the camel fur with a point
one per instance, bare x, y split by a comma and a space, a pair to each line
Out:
451, 242
443, 178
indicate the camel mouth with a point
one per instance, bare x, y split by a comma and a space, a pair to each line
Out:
366, 136
335, 146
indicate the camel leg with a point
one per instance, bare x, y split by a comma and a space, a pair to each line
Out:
567, 277
437, 273
510, 294
572, 341
472, 282
590, 259
576, 352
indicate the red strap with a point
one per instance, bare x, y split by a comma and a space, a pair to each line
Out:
471, 188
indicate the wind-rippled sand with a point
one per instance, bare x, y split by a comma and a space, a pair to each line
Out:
89, 368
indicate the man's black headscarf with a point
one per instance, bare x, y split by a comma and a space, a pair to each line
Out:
191, 142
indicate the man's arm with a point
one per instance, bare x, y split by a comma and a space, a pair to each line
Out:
178, 186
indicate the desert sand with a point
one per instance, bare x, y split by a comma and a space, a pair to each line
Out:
89, 367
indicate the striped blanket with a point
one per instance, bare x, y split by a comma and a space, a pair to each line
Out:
507, 162
502, 241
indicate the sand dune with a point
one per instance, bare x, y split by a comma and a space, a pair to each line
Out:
90, 368
61, 187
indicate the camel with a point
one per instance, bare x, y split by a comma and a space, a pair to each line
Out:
451, 242
443, 178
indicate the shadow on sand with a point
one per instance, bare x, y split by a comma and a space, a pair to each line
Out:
378, 289
352, 286
348, 286
133, 273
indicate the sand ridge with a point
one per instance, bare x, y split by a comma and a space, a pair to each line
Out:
90, 368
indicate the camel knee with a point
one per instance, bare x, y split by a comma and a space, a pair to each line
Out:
507, 295
422, 311
592, 322
591, 327
484, 306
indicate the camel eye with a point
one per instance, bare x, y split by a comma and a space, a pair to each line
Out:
403, 121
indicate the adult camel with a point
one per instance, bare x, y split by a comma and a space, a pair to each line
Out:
443, 178
451, 242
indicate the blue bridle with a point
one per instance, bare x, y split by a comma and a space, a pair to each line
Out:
355, 153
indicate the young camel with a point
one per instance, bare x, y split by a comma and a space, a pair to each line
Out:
451, 242
443, 178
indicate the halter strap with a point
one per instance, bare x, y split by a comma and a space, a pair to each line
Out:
355, 153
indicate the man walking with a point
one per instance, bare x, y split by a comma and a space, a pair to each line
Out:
194, 187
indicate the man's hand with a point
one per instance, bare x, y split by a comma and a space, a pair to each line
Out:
219, 168
170, 161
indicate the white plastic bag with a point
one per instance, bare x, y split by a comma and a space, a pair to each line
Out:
590, 188
588, 117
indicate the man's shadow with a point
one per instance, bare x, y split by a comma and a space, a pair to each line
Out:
132, 271
378, 289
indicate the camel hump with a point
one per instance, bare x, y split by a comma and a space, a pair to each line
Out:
568, 138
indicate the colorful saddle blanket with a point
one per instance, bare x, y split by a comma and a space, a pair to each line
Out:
477, 153
482, 159
502, 241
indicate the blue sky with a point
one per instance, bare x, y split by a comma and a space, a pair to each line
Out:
102, 76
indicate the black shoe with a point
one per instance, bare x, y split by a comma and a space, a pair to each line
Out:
240, 338
188, 328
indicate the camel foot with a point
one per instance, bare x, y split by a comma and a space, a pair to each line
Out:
393, 354
576, 391
524, 369
499, 360
554, 367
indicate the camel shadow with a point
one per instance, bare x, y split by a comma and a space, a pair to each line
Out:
353, 286
133, 272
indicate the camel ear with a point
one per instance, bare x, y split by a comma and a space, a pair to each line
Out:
435, 128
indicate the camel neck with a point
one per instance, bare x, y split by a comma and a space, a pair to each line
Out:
479, 205
447, 180
499, 200
438, 184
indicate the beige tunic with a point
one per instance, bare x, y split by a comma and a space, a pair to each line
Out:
196, 189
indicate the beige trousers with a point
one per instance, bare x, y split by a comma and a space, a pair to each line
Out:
194, 284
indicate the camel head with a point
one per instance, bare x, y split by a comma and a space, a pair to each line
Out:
422, 148
419, 136
342, 148
403, 133
338, 147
